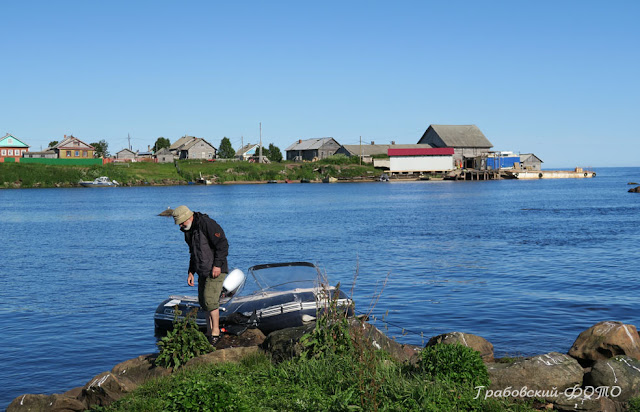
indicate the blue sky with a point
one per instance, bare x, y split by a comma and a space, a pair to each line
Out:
556, 78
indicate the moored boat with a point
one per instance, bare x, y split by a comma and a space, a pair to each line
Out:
102, 181
285, 295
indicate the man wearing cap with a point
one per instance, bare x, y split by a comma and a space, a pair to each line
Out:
208, 248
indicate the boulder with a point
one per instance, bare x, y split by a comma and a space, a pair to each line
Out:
635, 190
103, 390
285, 343
50, 403
605, 340
548, 373
378, 340
587, 403
620, 375
222, 356
134, 372
472, 341
250, 337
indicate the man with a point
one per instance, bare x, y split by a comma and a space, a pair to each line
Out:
208, 248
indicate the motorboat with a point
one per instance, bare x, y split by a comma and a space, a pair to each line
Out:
284, 295
102, 181
203, 181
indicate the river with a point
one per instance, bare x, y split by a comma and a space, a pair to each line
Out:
528, 265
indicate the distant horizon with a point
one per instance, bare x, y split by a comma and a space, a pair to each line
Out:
557, 79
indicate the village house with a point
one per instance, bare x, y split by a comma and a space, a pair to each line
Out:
12, 149
247, 151
190, 147
312, 149
69, 148
467, 141
126, 155
164, 155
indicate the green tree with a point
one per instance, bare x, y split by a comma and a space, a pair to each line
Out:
102, 148
161, 143
226, 150
53, 143
275, 155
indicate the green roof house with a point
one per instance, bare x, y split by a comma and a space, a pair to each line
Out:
12, 149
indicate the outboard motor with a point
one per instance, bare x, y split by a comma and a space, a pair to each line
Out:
232, 283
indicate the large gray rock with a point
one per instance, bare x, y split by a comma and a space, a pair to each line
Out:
250, 337
474, 342
134, 372
635, 190
621, 375
49, 403
548, 374
103, 390
605, 340
569, 402
376, 339
285, 343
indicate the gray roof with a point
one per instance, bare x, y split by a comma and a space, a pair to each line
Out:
164, 152
309, 144
244, 149
195, 140
376, 149
525, 156
460, 135
181, 141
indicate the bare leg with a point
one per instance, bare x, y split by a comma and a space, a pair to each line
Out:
213, 324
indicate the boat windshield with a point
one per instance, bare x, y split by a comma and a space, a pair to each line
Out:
285, 276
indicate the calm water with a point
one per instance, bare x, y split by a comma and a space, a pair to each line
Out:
526, 264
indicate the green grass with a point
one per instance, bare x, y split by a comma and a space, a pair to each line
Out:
328, 383
17, 175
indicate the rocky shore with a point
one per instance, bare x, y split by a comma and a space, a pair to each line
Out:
601, 371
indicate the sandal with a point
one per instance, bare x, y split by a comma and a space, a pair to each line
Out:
213, 340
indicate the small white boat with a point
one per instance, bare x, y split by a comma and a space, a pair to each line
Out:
285, 295
203, 181
102, 181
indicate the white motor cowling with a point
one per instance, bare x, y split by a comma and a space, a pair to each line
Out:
232, 283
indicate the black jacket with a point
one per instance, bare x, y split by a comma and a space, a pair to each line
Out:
208, 245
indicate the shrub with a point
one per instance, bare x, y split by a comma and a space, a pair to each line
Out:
456, 364
182, 343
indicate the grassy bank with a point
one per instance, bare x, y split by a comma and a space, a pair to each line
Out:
339, 369
17, 175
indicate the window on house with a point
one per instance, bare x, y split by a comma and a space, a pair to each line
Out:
77, 153
10, 152
68, 153
84, 153
4, 152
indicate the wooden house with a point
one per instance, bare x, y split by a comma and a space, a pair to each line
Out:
247, 151
467, 141
312, 149
165, 155
529, 161
190, 147
12, 149
73, 148
126, 155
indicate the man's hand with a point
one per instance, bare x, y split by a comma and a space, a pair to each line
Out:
190, 279
215, 272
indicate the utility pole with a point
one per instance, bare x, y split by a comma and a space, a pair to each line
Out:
129, 139
360, 150
260, 155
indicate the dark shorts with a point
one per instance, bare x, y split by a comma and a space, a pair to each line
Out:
209, 290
